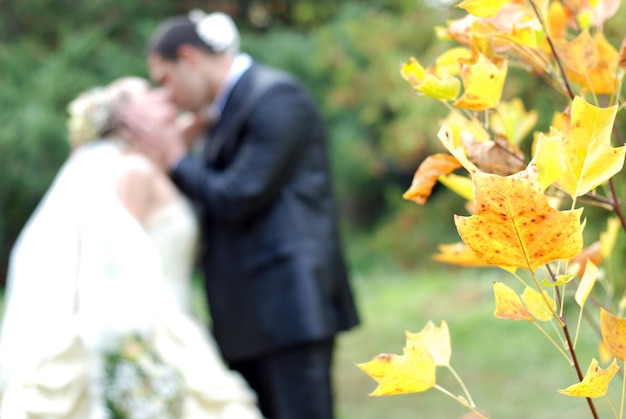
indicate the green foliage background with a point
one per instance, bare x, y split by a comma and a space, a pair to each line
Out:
348, 53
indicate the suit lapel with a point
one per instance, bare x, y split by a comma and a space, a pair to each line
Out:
232, 115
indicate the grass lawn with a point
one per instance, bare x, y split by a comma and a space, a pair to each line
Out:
510, 368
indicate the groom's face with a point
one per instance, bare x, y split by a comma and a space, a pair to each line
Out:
182, 80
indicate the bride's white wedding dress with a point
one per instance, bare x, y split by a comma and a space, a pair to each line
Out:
83, 276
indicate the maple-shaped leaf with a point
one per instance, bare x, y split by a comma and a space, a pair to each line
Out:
590, 62
589, 156
426, 175
483, 83
482, 8
596, 381
515, 226
461, 185
412, 372
436, 340
549, 158
512, 121
458, 254
444, 86
613, 333
541, 306
508, 304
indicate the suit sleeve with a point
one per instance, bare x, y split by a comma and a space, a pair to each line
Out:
276, 135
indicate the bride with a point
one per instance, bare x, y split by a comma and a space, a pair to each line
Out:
96, 322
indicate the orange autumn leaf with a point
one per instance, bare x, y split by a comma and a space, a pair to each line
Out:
483, 83
613, 333
590, 253
426, 175
590, 62
515, 226
458, 254
595, 383
557, 20
436, 339
412, 372
509, 306
622, 54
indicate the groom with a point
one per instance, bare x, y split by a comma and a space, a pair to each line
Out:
274, 270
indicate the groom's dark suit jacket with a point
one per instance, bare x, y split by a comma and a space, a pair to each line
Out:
274, 268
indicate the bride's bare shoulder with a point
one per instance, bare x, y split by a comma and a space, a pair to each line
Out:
136, 179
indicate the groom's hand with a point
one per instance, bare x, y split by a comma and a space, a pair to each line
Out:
160, 136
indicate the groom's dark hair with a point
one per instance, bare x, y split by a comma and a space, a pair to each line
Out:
173, 33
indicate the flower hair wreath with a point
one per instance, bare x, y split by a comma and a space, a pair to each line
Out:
217, 30
89, 116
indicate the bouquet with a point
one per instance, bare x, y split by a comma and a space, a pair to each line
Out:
140, 385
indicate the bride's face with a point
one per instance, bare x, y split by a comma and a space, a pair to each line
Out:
157, 108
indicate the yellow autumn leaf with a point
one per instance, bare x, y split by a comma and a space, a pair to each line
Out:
448, 62
426, 175
482, 8
515, 226
446, 136
483, 83
587, 283
589, 156
609, 237
541, 306
560, 280
613, 333
436, 340
444, 87
604, 353
508, 304
549, 158
460, 126
412, 372
596, 381
512, 121
458, 254
461, 185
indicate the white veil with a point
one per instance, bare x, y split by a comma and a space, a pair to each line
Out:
81, 242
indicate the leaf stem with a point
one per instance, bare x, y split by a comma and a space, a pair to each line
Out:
553, 49
462, 384
556, 345
460, 400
